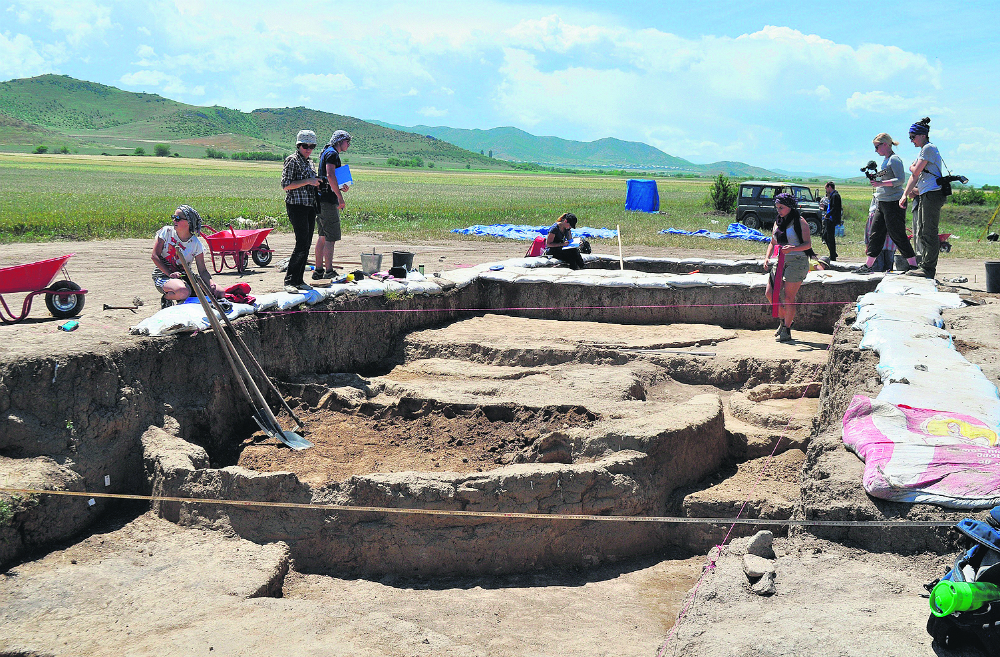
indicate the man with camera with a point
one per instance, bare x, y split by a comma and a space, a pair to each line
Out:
834, 217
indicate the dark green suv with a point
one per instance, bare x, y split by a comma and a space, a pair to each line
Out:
755, 204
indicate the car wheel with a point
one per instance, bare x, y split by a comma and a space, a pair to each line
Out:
815, 227
750, 220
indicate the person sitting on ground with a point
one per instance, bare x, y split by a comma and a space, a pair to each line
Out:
791, 237
173, 242
559, 238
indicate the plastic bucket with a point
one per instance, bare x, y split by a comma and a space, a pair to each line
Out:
371, 263
402, 259
993, 275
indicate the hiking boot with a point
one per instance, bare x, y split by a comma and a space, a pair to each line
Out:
777, 331
919, 272
784, 334
864, 269
318, 274
165, 302
291, 289
303, 287
330, 273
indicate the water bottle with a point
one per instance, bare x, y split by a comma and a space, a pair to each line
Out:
948, 597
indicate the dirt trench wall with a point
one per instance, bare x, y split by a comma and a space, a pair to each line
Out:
832, 475
739, 306
660, 454
68, 422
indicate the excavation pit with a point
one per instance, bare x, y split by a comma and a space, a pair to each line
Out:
501, 414
596, 393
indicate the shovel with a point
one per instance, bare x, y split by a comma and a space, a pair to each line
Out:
262, 413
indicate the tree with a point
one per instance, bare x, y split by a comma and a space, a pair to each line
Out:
162, 150
139, 151
64, 150
723, 194
41, 150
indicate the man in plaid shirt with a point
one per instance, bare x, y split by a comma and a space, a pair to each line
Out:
299, 181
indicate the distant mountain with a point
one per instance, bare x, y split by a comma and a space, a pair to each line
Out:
59, 110
517, 145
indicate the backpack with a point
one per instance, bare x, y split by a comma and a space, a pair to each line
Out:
980, 563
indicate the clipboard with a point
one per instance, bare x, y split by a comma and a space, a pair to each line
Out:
344, 176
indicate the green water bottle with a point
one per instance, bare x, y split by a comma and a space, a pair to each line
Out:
949, 597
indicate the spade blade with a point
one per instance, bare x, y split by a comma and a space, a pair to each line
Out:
289, 438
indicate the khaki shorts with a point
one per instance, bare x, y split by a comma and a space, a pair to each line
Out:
796, 267
328, 221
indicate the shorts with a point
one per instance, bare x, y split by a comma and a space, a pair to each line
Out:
159, 279
796, 267
328, 221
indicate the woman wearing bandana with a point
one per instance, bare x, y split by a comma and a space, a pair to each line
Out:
791, 237
173, 242
924, 172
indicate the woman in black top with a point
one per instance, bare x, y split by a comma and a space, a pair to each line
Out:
559, 237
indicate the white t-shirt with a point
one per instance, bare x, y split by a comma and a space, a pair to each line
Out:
174, 246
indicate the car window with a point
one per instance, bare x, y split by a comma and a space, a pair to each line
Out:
803, 193
767, 192
748, 192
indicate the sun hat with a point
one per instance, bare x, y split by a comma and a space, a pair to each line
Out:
339, 136
305, 137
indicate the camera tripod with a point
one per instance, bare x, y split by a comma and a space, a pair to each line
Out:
989, 225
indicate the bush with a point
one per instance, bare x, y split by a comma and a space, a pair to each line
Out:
64, 150
723, 194
162, 150
41, 150
414, 162
257, 155
140, 151
968, 196
214, 154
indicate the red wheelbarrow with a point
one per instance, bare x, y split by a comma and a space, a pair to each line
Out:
240, 245
63, 298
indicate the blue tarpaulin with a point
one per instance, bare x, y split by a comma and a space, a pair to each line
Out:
733, 232
641, 195
521, 232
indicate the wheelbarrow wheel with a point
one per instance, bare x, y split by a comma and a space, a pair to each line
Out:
244, 260
262, 258
66, 306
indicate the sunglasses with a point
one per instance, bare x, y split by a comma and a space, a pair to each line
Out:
308, 147
177, 217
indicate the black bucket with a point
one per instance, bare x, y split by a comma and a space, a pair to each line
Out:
402, 259
993, 275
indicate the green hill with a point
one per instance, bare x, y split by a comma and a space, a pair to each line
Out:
514, 144
90, 117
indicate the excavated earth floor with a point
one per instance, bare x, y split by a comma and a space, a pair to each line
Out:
135, 583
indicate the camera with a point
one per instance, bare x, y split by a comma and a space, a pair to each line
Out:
950, 179
870, 170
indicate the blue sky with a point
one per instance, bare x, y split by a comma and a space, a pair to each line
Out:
794, 86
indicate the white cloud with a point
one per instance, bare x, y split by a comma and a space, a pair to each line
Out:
76, 20
879, 102
432, 111
331, 82
147, 79
20, 57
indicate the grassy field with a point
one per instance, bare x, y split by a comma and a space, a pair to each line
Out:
56, 197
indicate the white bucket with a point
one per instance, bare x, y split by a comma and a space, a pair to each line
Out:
371, 263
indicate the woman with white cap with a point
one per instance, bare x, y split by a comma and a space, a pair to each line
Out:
889, 218
299, 181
